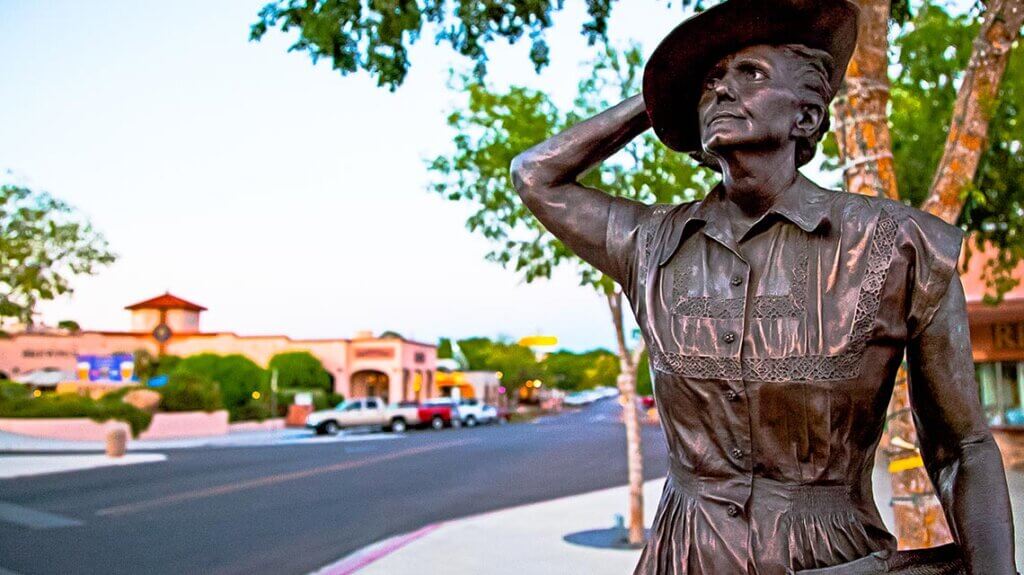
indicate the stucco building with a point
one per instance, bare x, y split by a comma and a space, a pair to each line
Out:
393, 367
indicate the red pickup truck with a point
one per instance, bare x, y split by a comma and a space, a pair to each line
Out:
433, 416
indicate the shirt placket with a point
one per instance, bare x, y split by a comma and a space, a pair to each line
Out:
736, 492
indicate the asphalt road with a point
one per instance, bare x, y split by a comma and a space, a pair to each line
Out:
292, 509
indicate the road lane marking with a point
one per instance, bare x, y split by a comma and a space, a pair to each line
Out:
34, 519
272, 479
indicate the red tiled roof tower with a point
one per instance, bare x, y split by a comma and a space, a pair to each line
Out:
166, 301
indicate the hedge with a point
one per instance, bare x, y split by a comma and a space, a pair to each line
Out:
72, 405
188, 391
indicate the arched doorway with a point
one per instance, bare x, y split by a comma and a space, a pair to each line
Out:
370, 383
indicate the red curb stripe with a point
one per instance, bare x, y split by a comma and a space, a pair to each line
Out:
361, 559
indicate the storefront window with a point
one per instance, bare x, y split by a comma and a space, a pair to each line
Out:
1001, 386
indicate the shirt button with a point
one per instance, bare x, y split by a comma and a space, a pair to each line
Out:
736, 280
729, 337
732, 395
737, 453
733, 511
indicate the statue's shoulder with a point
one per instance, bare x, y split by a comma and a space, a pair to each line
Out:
860, 209
918, 235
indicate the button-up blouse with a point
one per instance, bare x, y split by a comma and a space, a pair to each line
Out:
773, 357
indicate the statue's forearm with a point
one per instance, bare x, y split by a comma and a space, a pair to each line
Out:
973, 491
564, 157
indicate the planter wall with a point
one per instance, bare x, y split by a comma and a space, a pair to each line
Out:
266, 425
164, 426
71, 428
187, 424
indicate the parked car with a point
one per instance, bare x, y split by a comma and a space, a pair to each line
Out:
375, 412
580, 398
435, 416
472, 411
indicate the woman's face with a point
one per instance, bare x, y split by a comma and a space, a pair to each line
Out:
749, 100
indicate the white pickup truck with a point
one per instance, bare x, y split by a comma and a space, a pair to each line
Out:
375, 412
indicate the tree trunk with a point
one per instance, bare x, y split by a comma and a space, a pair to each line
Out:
860, 119
634, 453
865, 147
975, 103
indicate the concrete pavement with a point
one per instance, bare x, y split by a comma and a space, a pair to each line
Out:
536, 538
15, 443
28, 465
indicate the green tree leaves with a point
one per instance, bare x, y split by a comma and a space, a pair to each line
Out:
493, 126
44, 245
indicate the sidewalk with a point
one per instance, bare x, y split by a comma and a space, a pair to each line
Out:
12, 466
14, 443
527, 539
533, 538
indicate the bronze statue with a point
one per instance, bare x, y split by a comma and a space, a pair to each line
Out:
777, 313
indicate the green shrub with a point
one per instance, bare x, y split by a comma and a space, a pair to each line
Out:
10, 390
73, 405
236, 375
300, 369
166, 364
188, 391
252, 411
334, 399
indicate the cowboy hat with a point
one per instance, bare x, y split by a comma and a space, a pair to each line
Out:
674, 75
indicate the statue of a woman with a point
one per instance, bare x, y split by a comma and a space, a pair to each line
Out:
776, 312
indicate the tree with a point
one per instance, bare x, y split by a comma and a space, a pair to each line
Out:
69, 325
45, 245
493, 127
516, 363
375, 37
577, 371
444, 349
865, 148
300, 369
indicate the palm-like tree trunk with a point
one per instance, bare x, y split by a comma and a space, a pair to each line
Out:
862, 132
861, 122
975, 103
628, 362
865, 148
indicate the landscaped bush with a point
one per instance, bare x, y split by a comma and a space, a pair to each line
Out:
237, 376
252, 411
300, 369
10, 390
73, 405
188, 391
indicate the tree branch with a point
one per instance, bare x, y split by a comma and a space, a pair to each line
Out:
975, 103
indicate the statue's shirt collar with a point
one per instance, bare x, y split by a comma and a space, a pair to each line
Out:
804, 204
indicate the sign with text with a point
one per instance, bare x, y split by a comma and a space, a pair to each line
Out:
1008, 335
375, 353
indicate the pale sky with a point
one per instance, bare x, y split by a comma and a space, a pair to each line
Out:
282, 196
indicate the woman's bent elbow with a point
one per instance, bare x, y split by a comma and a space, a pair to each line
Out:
524, 174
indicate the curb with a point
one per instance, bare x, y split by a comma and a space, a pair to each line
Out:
356, 561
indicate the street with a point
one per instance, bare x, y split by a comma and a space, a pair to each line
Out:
293, 508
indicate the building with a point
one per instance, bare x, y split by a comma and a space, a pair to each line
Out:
393, 367
997, 342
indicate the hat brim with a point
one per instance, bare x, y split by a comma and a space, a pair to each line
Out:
674, 75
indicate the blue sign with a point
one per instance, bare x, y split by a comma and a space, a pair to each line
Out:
158, 381
116, 367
